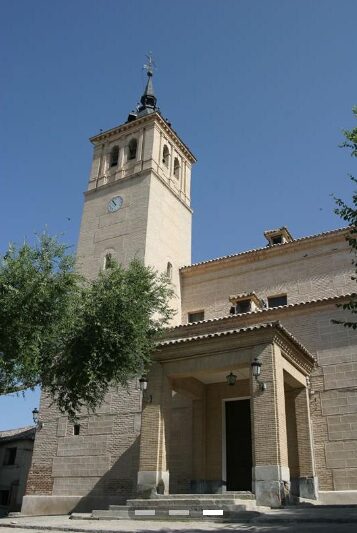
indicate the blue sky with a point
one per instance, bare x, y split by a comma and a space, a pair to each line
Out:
260, 90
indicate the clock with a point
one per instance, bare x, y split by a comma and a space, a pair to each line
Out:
114, 204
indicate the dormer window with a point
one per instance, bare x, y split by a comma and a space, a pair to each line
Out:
278, 236
132, 148
277, 240
114, 156
244, 303
243, 306
166, 156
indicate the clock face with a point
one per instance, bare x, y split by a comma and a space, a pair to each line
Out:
114, 204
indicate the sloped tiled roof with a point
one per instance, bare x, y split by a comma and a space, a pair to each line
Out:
256, 327
265, 248
27, 432
327, 299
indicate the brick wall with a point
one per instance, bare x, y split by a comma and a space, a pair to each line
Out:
101, 460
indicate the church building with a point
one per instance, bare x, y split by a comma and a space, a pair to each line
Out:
253, 388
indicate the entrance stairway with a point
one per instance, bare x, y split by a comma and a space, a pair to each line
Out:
230, 505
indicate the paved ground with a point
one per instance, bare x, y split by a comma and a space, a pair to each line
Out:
207, 528
301, 520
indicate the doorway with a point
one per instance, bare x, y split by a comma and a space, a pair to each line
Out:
237, 445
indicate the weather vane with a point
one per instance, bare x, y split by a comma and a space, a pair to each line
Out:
150, 65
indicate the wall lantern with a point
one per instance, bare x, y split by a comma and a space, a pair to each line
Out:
36, 418
256, 369
231, 379
143, 383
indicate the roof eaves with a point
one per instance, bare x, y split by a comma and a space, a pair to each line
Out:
257, 327
27, 432
265, 248
267, 309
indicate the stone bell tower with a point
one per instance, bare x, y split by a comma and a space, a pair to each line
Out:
138, 200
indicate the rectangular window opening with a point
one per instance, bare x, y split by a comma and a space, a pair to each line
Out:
76, 429
196, 316
277, 301
10, 456
278, 239
244, 306
4, 497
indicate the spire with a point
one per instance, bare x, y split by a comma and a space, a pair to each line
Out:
148, 100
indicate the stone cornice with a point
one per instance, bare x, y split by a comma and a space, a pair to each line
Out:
300, 359
103, 136
248, 337
142, 174
253, 317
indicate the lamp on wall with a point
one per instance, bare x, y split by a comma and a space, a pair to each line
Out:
256, 366
231, 379
143, 384
36, 418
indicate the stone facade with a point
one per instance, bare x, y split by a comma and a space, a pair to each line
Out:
298, 415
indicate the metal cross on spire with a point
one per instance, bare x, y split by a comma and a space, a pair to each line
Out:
150, 65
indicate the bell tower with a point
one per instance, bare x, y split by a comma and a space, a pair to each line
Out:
137, 204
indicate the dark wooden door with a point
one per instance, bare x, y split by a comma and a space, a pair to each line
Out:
238, 445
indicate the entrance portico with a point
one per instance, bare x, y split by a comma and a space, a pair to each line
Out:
201, 435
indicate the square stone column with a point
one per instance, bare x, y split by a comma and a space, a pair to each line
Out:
153, 474
308, 484
271, 476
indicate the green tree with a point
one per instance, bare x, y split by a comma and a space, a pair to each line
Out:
349, 214
73, 337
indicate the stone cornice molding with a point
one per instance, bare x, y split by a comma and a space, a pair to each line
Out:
253, 317
141, 174
249, 337
298, 358
153, 117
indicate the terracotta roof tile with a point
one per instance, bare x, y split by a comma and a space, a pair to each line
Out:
268, 309
27, 432
264, 248
256, 327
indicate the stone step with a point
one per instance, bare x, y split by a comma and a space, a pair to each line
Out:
244, 494
229, 505
81, 516
175, 514
165, 503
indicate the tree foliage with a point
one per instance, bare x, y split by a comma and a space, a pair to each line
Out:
349, 214
74, 337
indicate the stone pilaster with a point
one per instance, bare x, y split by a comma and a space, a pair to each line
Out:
308, 486
153, 474
270, 459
